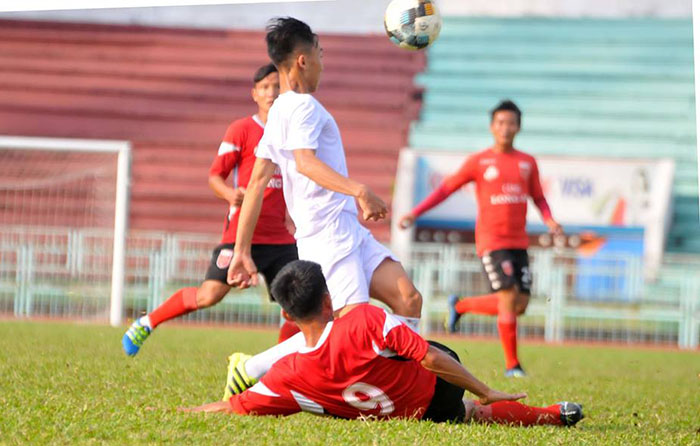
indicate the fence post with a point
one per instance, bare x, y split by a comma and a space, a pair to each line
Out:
423, 275
19, 282
688, 326
553, 329
24, 278
156, 280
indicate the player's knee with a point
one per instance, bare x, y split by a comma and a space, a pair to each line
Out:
208, 297
521, 304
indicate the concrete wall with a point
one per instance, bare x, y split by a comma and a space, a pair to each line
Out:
360, 16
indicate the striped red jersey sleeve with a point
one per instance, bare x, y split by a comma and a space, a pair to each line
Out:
229, 152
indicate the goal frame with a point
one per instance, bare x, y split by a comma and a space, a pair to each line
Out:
121, 206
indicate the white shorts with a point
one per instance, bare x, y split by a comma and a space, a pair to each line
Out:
348, 262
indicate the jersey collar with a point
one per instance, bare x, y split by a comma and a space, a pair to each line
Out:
258, 121
321, 340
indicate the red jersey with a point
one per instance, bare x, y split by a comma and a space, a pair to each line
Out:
237, 150
504, 182
348, 373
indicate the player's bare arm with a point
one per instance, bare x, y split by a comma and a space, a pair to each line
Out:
451, 184
242, 272
234, 196
218, 406
308, 164
453, 372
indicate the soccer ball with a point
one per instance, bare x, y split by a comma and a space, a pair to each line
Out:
412, 24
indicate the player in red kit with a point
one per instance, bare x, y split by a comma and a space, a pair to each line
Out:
505, 179
273, 245
368, 363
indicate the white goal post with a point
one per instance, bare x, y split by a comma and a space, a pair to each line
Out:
121, 212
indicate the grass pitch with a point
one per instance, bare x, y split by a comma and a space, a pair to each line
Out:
72, 384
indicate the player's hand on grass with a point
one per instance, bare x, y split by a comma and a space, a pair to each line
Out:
219, 406
373, 208
242, 272
494, 396
407, 221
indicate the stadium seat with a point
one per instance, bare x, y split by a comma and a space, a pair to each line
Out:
173, 92
620, 88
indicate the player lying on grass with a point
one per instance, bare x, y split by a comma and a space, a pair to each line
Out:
302, 138
368, 363
272, 244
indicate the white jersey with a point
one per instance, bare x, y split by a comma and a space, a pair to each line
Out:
299, 121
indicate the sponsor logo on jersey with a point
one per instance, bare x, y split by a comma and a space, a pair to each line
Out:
507, 267
275, 183
224, 259
511, 188
525, 169
491, 173
508, 199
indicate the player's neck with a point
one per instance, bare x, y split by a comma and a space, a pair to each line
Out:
502, 148
262, 116
292, 81
313, 330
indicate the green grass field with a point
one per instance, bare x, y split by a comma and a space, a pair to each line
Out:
71, 384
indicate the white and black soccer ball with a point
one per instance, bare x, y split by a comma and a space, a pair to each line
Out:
412, 24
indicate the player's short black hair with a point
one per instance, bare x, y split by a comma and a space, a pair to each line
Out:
263, 71
507, 105
299, 288
285, 35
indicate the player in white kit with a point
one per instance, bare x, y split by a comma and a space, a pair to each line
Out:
302, 138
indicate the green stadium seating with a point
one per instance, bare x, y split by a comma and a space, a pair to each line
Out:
595, 87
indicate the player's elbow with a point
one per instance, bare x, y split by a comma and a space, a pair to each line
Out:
430, 360
411, 303
304, 160
303, 166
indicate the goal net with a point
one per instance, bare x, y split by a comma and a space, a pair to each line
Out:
63, 214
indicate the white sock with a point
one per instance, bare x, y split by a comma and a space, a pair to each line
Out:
146, 322
259, 364
412, 322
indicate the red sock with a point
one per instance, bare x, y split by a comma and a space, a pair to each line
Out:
512, 412
287, 330
508, 332
486, 304
182, 302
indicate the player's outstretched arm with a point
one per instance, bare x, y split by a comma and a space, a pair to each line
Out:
444, 366
465, 174
242, 271
219, 406
308, 164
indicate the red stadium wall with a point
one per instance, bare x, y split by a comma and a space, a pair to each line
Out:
172, 93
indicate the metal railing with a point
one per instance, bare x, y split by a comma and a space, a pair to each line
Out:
67, 273
573, 297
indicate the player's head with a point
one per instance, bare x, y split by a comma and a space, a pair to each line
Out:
266, 86
294, 49
505, 122
301, 291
